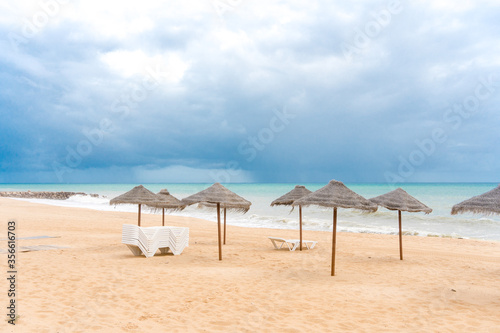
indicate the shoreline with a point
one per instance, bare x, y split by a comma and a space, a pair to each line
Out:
96, 284
210, 218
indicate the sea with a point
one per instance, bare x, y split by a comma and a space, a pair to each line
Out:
439, 196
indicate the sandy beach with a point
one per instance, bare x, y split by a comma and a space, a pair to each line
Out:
94, 283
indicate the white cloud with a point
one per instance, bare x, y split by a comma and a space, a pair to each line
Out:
26, 63
124, 19
131, 63
451, 5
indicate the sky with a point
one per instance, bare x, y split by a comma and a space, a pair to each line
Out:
249, 91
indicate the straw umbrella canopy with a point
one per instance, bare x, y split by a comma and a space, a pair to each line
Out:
335, 194
167, 201
139, 195
222, 197
487, 203
400, 200
287, 199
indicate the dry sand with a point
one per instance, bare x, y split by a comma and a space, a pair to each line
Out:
96, 284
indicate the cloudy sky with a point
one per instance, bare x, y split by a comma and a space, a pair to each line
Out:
249, 91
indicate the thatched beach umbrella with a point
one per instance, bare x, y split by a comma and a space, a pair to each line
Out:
287, 199
335, 194
169, 202
401, 201
222, 197
139, 195
487, 203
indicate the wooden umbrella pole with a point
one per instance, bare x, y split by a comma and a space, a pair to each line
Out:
334, 239
300, 226
139, 218
224, 225
400, 237
218, 229
163, 217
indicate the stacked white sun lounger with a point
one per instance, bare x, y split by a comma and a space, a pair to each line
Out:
179, 239
147, 240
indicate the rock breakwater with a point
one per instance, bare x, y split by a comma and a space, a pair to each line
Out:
44, 195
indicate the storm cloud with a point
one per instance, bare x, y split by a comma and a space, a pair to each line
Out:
249, 91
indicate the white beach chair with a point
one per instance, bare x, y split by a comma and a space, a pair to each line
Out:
179, 239
147, 240
130, 237
292, 244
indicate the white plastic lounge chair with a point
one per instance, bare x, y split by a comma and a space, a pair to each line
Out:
147, 240
292, 244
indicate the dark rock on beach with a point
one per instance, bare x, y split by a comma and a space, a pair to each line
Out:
44, 195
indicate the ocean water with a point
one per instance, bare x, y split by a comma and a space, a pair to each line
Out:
439, 196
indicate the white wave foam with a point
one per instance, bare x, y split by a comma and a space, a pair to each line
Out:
314, 218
